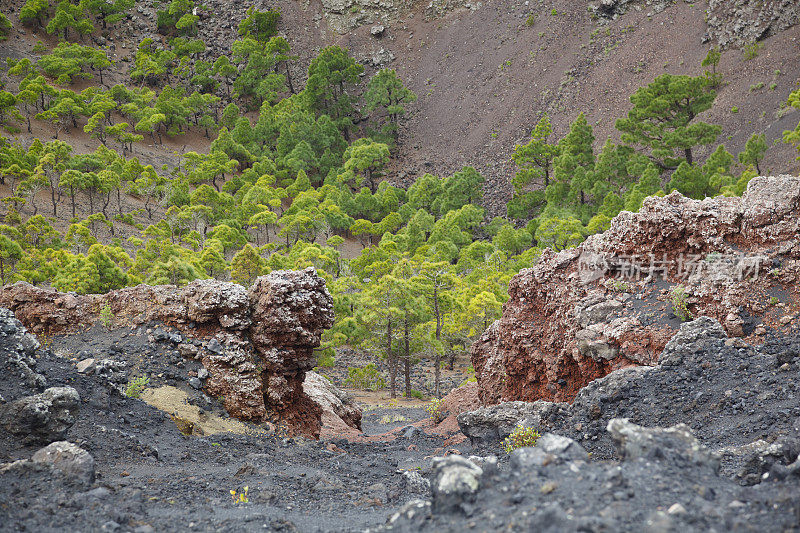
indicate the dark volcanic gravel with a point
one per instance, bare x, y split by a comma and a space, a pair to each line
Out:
740, 474
150, 477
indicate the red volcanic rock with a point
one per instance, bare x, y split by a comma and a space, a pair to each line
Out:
341, 416
583, 312
260, 341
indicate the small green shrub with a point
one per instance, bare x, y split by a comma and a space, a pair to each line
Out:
240, 497
106, 316
554, 12
435, 410
136, 386
774, 300
521, 437
531, 20
677, 298
757, 86
326, 359
367, 377
415, 394
751, 50
734, 110
618, 285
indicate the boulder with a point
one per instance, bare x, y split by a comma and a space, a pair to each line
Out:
75, 462
692, 337
339, 409
454, 483
496, 422
41, 418
675, 444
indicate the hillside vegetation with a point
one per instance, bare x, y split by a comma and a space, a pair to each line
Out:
288, 173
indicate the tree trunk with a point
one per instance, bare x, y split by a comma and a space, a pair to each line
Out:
391, 361
438, 358
451, 360
407, 362
53, 199
289, 78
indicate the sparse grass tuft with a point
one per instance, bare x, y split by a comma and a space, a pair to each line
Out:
521, 437
618, 285
435, 411
136, 386
677, 298
751, 50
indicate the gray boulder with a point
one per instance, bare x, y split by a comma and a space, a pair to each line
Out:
454, 484
694, 337
562, 447
76, 463
496, 422
674, 445
549, 449
41, 418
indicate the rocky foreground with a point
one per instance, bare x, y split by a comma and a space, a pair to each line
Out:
81, 456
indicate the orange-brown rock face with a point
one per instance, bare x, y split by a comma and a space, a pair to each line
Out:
607, 304
259, 342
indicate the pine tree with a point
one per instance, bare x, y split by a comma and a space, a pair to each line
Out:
663, 119
260, 25
246, 266
535, 158
34, 11
386, 91
330, 75
108, 11
69, 17
10, 254
712, 60
5, 27
754, 151
434, 281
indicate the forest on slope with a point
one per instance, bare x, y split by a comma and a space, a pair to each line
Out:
288, 175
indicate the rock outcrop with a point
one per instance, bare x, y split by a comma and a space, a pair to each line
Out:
611, 302
739, 400
747, 21
665, 480
340, 413
41, 418
259, 342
